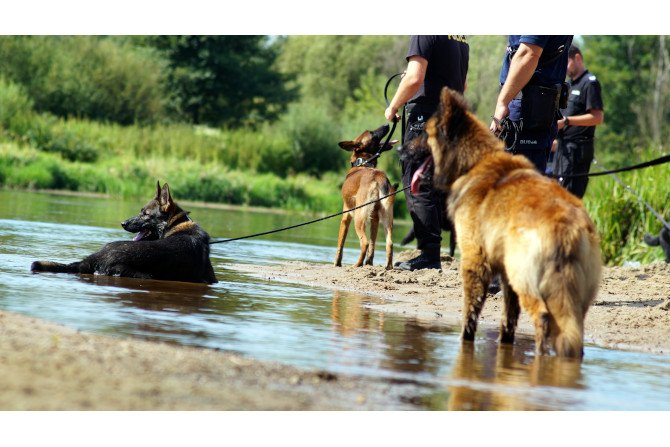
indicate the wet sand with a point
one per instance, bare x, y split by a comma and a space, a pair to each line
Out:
631, 310
50, 367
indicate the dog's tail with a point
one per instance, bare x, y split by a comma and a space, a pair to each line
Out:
572, 286
387, 188
54, 267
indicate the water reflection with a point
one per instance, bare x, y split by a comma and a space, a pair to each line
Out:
408, 345
155, 295
492, 376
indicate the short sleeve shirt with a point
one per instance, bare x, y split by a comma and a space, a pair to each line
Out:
448, 58
553, 64
584, 96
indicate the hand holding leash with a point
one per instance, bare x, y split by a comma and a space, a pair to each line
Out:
502, 111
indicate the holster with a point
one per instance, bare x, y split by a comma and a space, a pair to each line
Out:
539, 106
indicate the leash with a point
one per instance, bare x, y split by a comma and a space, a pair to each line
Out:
374, 157
388, 103
311, 221
506, 126
646, 164
632, 191
388, 138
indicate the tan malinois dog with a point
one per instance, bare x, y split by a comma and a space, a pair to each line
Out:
364, 183
512, 220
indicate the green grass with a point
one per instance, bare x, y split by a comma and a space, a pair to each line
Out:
28, 168
622, 219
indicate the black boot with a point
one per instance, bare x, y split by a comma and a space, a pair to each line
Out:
428, 259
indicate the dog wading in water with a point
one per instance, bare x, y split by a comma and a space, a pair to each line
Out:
513, 221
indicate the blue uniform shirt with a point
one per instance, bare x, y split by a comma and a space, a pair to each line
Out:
553, 64
551, 70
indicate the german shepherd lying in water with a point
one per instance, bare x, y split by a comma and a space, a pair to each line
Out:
364, 183
168, 246
513, 221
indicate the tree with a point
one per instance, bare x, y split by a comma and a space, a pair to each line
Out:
635, 75
224, 80
330, 68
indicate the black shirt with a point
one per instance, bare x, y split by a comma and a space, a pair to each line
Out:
447, 57
584, 96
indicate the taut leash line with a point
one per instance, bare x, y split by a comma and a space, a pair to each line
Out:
646, 164
632, 191
310, 222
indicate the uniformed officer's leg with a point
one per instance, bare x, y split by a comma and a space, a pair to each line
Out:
583, 158
564, 164
535, 145
426, 212
538, 157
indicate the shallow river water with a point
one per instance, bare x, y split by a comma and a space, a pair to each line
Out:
307, 327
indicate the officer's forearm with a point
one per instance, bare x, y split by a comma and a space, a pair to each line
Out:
407, 88
591, 118
521, 69
410, 82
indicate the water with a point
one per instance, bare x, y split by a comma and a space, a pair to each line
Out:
298, 325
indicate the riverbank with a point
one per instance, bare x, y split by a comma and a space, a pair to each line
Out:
631, 310
50, 367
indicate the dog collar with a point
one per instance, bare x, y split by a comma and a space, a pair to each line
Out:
363, 162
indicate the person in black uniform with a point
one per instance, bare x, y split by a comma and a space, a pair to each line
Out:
433, 62
577, 129
531, 80
531, 77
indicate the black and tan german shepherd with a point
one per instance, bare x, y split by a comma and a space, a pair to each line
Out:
169, 246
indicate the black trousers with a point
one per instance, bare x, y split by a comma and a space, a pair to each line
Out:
426, 206
574, 157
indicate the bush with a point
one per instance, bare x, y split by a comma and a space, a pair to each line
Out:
47, 135
16, 106
101, 78
313, 135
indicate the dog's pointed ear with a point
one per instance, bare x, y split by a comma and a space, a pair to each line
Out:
158, 189
453, 110
388, 146
165, 197
349, 145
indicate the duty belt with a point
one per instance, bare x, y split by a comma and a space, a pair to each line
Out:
555, 89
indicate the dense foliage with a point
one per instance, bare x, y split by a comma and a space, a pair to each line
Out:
255, 120
223, 80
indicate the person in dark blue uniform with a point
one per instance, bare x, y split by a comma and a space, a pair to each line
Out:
433, 62
577, 129
531, 78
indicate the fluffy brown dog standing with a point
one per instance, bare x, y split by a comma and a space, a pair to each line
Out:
512, 220
364, 183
